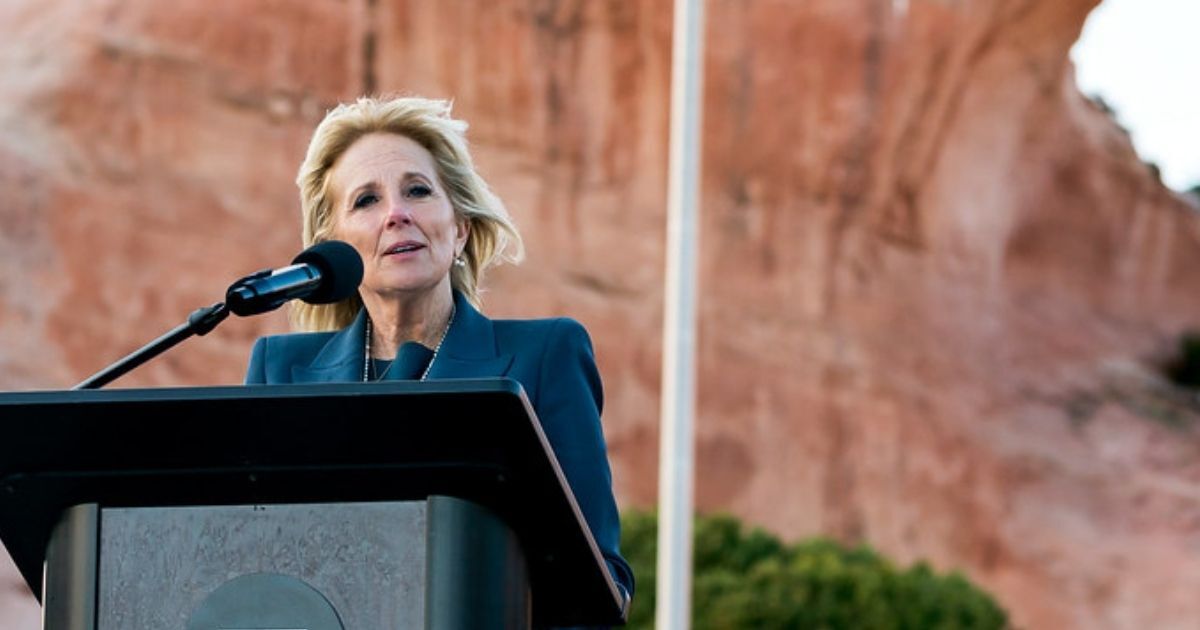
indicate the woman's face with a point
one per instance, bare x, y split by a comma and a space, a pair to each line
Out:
389, 204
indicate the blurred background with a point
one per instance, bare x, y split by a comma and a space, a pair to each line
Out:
945, 307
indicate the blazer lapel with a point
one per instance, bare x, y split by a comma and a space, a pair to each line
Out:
469, 350
340, 361
409, 363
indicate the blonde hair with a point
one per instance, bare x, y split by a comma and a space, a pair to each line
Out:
492, 238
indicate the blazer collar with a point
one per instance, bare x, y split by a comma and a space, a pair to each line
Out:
468, 351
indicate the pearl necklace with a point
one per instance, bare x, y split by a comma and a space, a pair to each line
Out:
366, 375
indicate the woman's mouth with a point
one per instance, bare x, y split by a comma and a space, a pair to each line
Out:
403, 248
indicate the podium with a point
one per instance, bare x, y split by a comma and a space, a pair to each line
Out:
395, 504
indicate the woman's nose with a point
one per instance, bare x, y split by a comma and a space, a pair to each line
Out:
399, 214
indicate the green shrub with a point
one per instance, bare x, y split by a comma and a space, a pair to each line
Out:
749, 579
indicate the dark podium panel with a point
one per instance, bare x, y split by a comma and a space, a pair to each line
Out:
474, 440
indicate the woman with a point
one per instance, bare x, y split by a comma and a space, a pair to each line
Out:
393, 178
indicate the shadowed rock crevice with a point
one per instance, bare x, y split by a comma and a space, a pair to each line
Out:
370, 80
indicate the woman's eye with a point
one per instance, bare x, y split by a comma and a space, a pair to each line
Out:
365, 200
419, 191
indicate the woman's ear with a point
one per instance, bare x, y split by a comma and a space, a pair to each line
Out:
462, 229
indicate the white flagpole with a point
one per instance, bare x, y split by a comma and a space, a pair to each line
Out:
676, 449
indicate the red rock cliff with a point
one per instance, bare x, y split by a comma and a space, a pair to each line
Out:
937, 282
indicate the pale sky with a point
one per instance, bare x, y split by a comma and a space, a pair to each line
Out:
1143, 58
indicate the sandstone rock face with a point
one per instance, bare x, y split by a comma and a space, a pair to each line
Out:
937, 283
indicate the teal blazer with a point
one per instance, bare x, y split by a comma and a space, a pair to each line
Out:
551, 358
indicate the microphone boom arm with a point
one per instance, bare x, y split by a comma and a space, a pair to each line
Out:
200, 322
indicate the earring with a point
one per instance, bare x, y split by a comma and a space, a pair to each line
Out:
459, 261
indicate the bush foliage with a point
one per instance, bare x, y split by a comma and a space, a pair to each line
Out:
749, 579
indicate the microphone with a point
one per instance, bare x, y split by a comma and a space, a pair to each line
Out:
325, 273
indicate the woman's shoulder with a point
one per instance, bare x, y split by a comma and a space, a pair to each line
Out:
540, 329
274, 356
296, 345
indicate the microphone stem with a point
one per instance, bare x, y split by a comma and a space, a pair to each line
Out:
200, 322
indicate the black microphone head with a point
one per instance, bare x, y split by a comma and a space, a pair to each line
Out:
341, 271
